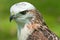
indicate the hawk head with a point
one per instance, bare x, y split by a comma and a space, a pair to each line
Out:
20, 12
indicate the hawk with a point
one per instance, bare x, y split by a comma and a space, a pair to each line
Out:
31, 25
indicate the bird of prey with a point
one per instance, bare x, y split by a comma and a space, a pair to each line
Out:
31, 25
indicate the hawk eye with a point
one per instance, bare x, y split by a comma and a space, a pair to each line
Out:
23, 12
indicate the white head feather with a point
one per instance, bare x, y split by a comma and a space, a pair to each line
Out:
19, 7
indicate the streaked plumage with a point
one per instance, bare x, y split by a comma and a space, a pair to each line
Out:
31, 25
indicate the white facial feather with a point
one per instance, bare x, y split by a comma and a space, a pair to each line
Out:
22, 6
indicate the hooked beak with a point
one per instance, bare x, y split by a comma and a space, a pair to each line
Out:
11, 17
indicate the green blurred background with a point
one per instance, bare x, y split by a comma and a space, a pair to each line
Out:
50, 9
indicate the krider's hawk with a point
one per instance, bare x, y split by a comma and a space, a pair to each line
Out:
31, 25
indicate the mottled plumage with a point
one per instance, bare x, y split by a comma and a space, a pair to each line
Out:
31, 25
41, 31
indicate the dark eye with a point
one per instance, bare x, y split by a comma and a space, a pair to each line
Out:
23, 12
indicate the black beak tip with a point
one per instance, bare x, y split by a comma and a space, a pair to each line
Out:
11, 17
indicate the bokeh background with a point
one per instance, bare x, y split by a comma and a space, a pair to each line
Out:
50, 9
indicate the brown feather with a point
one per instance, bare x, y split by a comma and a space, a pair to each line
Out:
41, 31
